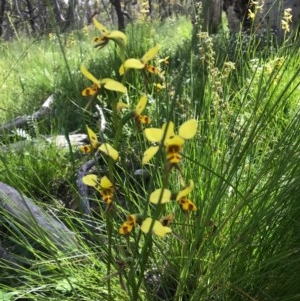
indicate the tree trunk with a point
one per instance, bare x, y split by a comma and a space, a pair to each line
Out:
70, 20
120, 15
31, 16
57, 13
2, 10
212, 15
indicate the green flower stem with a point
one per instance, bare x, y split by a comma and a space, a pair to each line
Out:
91, 102
109, 228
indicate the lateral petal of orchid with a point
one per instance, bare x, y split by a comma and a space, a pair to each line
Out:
133, 64
101, 27
157, 228
92, 137
188, 129
90, 76
183, 193
153, 134
160, 196
105, 182
149, 154
113, 85
122, 105
118, 35
149, 55
109, 150
141, 105
122, 69
90, 180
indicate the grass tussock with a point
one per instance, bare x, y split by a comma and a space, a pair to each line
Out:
212, 216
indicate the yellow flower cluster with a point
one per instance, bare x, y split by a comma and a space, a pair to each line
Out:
165, 137
254, 8
286, 20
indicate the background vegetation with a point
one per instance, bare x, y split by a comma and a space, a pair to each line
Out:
241, 244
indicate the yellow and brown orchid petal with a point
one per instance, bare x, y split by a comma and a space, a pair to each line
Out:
183, 193
133, 64
149, 154
90, 180
121, 105
122, 69
144, 119
105, 32
155, 226
187, 205
173, 141
153, 134
92, 137
132, 219
107, 196
118, 35
86, 149
160, 196
174, 157
106, 183
141, 105
188, 129
149, 55
90, 91
126, 228
167, 219
113, 85
100, 42
168, 130
109, 150
152, 69
90, 76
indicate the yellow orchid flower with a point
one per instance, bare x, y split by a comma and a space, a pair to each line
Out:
94, 143
144, 119
102, 185
141, 63
128, 225
167, 219
156, 227
106, 83
183, 201
173, 143
117, 36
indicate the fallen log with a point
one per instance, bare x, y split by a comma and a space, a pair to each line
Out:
20, 121
38, 222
